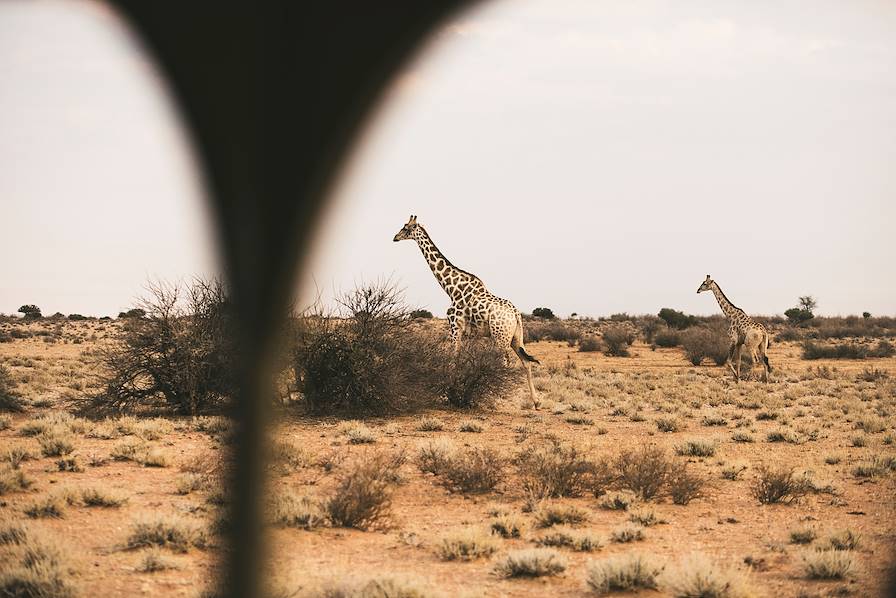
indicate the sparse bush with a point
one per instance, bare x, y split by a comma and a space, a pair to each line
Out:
508, 526
627, 533
668, 424
470, 425
436, 455
732, 471
554, 470
589, 344
166, 531
545, 313
667, 338
578, 541
553, 330
180, 356
645, 518
843, 540
466, 545
742, 437
477, 376
56, 442
699, 577
778, 485
358, 433
420, 314
297, 511
618, 501
643, 471
550, 515
684, 485
9, 398
702, 342
623, 573
828, 564
531, 562
154, 561
95, 497
814, 350
363, 497
803, 536
52, 506
476, 470
430, 424
13, 479
696, 448
618, 339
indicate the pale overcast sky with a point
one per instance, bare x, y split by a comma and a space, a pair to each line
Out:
588, 156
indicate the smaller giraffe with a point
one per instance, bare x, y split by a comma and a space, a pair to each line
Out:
743, 331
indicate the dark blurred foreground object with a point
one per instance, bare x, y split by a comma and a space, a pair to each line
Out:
273, 93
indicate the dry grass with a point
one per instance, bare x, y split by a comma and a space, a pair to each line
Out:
531, 562
474, 471
303, 512
34, 567
166, 531
696, 447
363, 497
56, 442
550, 515
698, 576
508, 526
643, 471
778, 485
52, 506
626, 533
13, 479
623, 573
576, 540
554, 470
100, 497
828, 564
466, 545
435, 455
684, 485
154, 560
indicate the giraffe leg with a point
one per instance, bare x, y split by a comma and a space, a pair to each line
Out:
731, 357
455, 330
737, 351
516, 342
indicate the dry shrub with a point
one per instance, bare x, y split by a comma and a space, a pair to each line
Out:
696, 447
628, 532
684, 485
554, 470
698, 576
531, 562
563, 538
363, 497
56, 442
804, 535
668, 424
508, 526
618, 339
384, 587
180, 356
476, 470
291, 510
778, 485
10, 400
590, 344
828, 564
643, 471
667, 338
550, 515
166, 531
435, 455
470, 425
553, 330
702, 342
154, 561
466, 545
618, 500
34, 568
96, 497
624, 573
477, 375
52, 506
843, 540
13, 479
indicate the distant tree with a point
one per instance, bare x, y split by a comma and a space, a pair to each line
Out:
421, 314
676, 319
132, 313
808, 303
866, 314
573, 315
76, 317
801, 314
58, 316
544, 312
30, 311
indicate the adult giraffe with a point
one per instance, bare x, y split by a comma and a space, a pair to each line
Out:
742, 329
472, 305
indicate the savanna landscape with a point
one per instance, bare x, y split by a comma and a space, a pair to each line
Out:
641, 466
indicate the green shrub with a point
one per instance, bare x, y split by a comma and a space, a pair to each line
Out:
676, 319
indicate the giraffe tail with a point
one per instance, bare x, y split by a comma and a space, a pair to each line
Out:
522, 353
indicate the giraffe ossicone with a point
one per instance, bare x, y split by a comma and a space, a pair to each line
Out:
472, 305
743, 331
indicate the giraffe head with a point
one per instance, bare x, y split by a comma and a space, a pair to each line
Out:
407, 231
707, 285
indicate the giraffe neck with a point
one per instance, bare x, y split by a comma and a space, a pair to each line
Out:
728, 308
448, 276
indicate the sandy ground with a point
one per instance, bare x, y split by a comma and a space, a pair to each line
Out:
617, 401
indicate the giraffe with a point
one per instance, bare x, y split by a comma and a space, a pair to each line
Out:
472, 305
743, 330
